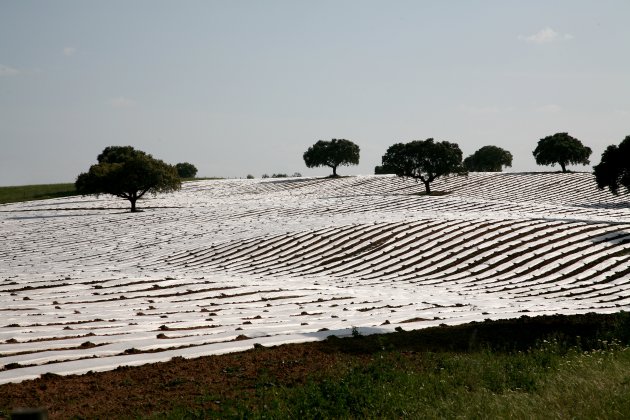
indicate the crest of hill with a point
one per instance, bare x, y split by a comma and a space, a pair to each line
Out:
573, 189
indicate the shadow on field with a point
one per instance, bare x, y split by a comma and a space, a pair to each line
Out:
606, 206
62, 203
586, 331
111, 210
50, 216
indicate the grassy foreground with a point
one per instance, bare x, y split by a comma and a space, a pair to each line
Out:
35, 192
529, 368
544, 367
541, 383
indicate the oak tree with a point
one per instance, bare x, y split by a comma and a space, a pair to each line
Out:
614, 169
186, 170
127, 173
423, 160
332, 154
562, 149
488, 159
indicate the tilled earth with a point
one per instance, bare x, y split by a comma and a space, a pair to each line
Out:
220, 383
204, 382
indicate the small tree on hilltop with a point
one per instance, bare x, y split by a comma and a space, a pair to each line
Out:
332, 153
488, 159
562, 149
186, 170
614, 169
127, 173
423, 160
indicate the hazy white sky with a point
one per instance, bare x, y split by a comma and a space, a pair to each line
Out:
245, 87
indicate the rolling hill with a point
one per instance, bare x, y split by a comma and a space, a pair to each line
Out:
223, 264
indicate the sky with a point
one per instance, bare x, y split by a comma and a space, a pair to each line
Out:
245, 87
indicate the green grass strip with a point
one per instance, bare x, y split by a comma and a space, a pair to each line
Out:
35, 192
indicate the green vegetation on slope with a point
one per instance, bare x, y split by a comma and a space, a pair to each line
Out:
503, 369
539, 383
35, 192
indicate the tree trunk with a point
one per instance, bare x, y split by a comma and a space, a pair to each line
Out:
334, 171
133, 204
427, 186
563, 166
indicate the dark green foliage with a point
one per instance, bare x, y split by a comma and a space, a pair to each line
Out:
186, 170
382, 170
127, 173
332, 153
488, 159
424, 160
614, 169
392, 386
562, 149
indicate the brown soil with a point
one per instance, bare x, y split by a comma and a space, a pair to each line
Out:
213, 382
143, 390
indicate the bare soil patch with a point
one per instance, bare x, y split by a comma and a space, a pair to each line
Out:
209, 382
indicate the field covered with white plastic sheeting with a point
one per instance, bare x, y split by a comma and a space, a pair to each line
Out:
224, 264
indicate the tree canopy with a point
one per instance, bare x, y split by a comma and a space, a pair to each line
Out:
424, 160
614, 169
562, 149
332, 153
382, 170
127, 173
488, 159
186, 170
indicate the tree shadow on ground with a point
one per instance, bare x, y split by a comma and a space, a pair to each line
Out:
606, 206
586, 331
